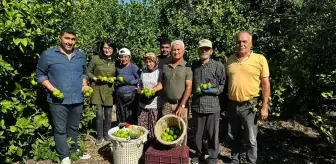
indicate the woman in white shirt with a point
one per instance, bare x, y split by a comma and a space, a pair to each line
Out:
149, 108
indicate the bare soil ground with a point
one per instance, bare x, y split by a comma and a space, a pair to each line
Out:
279, 142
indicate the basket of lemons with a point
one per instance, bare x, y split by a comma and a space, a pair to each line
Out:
127, 142
170, 130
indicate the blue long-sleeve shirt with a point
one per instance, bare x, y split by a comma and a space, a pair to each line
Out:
64, 74
131, 74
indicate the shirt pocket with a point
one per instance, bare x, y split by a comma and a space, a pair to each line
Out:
77, 67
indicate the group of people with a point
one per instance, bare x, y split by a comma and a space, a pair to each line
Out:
172, 79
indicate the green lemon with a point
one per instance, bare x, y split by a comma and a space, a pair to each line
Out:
33, 82
198, 90
111, 79
204, 86
165, 134
120, 79
104, 79
209, 85
171, 132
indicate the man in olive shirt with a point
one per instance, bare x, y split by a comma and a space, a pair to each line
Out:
177, 84
205, 102
165, 48
246, 71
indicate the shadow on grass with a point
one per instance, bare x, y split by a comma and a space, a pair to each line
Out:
106, 153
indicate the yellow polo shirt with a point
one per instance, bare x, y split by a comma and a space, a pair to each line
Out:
245, 76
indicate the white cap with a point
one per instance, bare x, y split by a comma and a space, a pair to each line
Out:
124, 52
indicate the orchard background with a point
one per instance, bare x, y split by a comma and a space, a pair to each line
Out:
296, 36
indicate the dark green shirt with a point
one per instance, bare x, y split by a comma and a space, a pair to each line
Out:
164, 60
102, 93
174, 80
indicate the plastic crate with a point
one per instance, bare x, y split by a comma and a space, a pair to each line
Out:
160, 154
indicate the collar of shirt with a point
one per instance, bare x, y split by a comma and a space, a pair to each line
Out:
182, 63
199, 63
73, 53
251, 52
206, 64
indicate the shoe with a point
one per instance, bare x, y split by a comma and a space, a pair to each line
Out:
66, 160
99, 141
83, 155
195, 160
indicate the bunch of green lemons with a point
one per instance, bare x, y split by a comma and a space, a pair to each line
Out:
171, 134
203, 86
147, 92
106, 79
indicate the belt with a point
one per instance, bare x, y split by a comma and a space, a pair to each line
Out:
171, 101
244, 102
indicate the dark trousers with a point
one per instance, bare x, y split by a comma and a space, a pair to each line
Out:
66, 123
209, 124
103, 120
242, 115
127, 111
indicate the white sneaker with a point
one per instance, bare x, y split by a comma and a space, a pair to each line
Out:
83, 155
66, 160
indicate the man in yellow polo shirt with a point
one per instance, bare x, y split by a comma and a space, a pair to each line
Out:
246, 70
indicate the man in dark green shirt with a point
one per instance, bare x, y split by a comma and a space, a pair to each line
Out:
177, 84
208, 83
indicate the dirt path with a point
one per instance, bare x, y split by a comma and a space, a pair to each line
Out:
279, 142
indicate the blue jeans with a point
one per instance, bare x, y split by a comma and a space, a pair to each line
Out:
66, 124
242, 115
103, 119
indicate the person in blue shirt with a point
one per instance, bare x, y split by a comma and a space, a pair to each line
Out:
62, 71
127, 98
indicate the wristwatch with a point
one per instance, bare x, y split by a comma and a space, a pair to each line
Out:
183, 106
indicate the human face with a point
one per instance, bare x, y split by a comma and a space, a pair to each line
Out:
205, 52
124, 60
244, 43
149, 64
67, 42
165, 49
107, 50
177, 51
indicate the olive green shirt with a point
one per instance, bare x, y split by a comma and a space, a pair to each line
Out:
102, 93
174, 80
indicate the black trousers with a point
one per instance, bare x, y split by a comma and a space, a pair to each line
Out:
209, 124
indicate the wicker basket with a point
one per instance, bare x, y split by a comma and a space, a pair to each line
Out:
167, 121
127, 151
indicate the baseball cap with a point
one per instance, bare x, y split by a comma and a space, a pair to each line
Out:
204, 43
124, 52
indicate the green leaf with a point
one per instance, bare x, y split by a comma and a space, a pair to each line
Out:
16, 41
20, 107
12, 129
2, 124
6, 103
24, 42
19, 152
21, 48
18, 86
1, 135
40, 141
